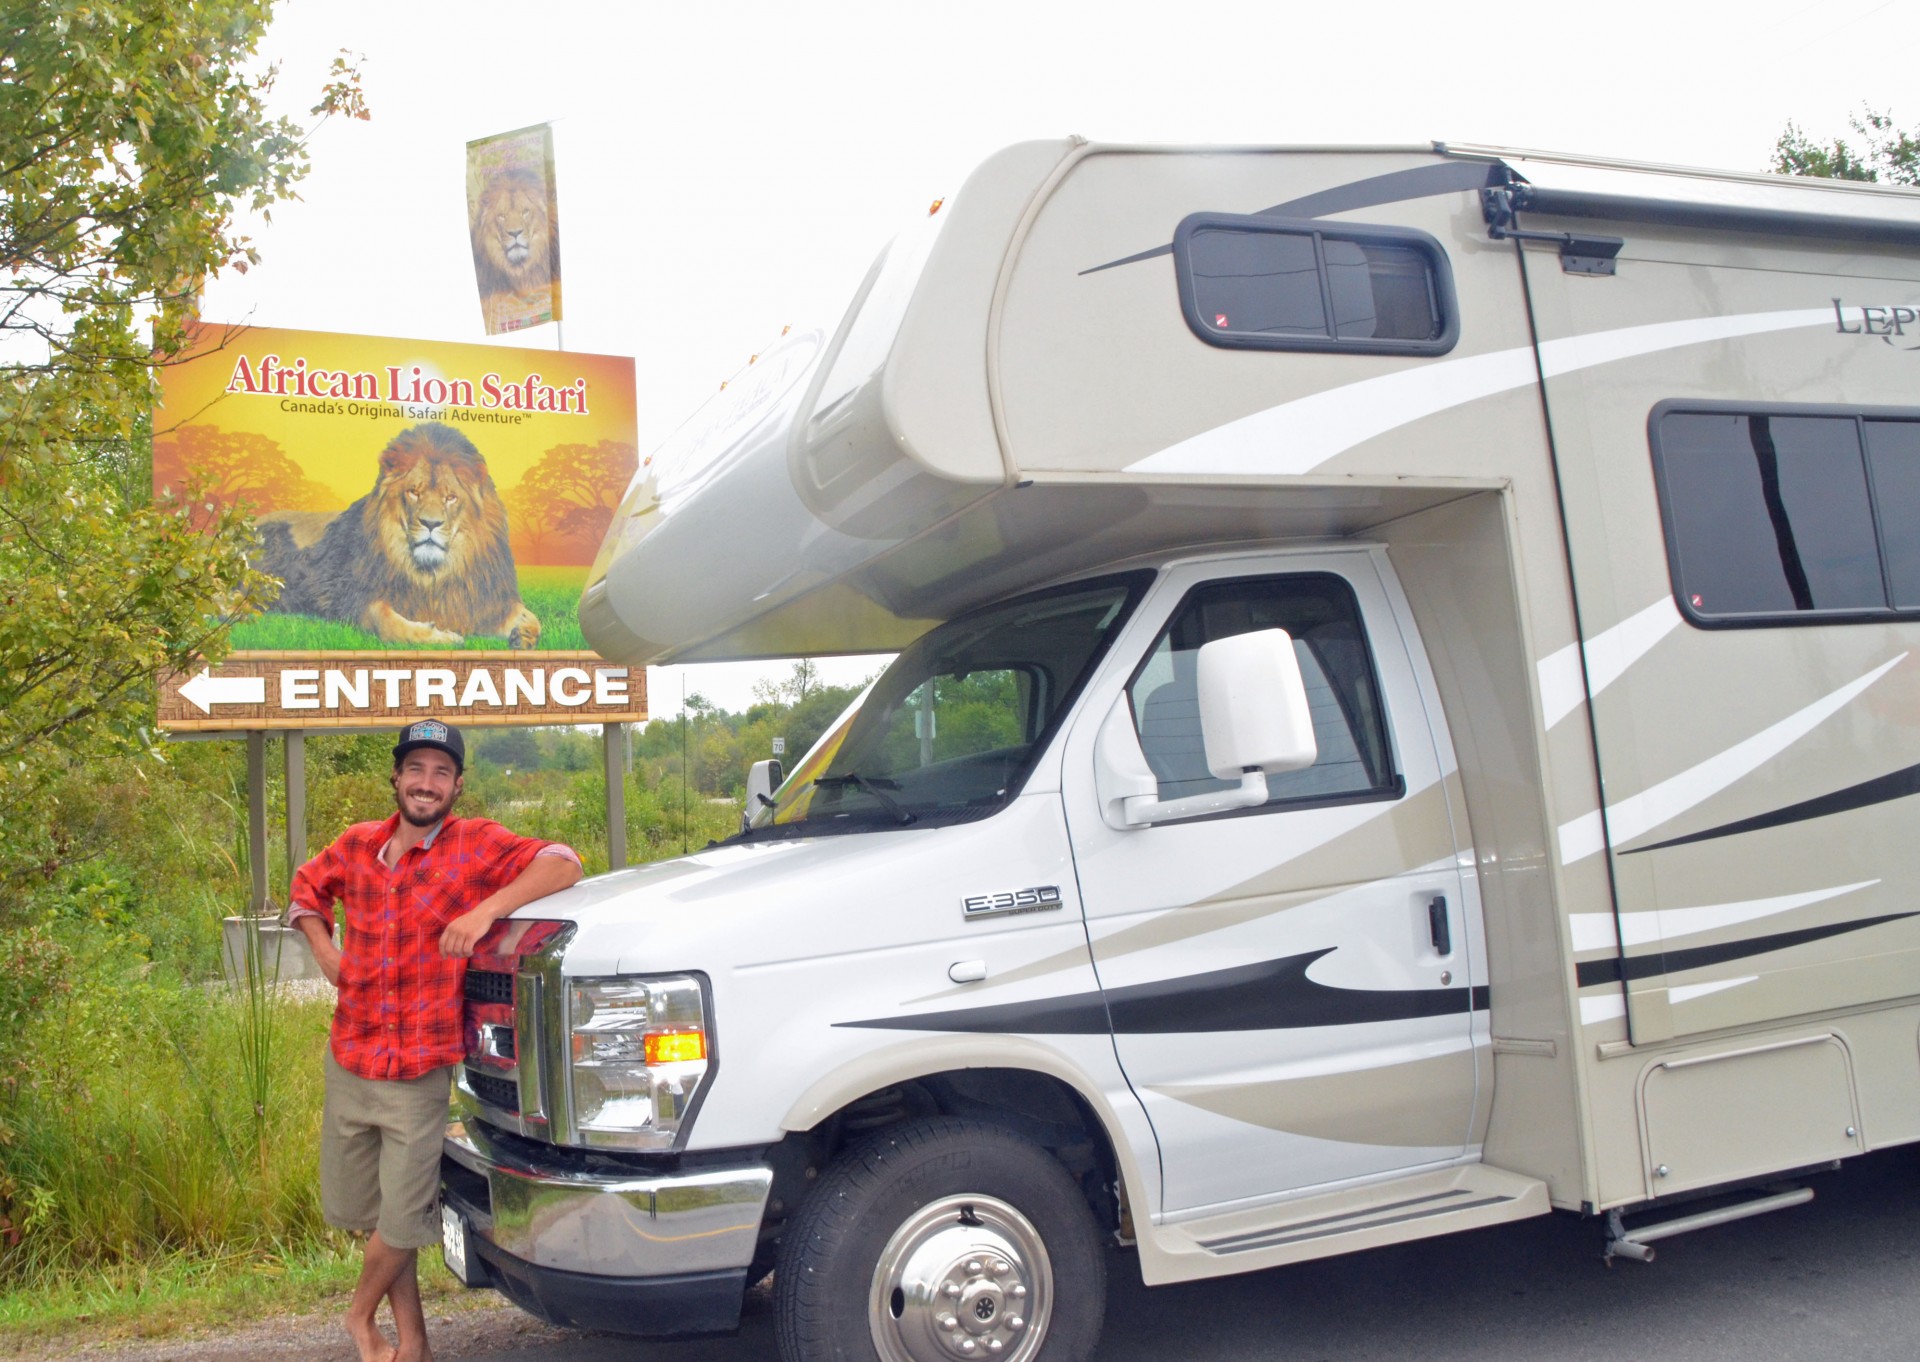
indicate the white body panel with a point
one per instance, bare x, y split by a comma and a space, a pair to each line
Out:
1196, 899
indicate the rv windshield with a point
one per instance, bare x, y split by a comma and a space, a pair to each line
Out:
950, 730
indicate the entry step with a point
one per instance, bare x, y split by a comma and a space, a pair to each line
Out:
1390, 1212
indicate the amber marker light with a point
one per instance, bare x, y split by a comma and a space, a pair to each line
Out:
936, 207
675, 1047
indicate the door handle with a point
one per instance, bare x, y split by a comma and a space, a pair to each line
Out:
1438, 927
967, 971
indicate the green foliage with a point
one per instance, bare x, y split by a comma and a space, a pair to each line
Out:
130, 136
1887, 154
506, 747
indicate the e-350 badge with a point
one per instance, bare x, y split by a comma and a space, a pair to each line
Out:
1040, 899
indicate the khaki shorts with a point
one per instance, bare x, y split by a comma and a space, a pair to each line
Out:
380, 1154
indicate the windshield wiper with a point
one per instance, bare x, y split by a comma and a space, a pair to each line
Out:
877, 786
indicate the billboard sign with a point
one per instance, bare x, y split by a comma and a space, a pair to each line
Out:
413, 498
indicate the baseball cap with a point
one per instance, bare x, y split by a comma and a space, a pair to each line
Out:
433, 733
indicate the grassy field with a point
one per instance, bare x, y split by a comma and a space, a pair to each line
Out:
156, 1299
552, 593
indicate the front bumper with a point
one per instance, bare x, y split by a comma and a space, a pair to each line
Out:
578, 1242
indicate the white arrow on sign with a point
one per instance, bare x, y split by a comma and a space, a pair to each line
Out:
207, 690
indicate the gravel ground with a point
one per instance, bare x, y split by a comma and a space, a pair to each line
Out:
465, 1333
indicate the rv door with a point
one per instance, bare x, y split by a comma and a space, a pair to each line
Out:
1292, 986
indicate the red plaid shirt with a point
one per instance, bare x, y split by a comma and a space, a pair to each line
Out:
400, 1008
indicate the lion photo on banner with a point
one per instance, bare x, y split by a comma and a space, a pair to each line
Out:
514, 224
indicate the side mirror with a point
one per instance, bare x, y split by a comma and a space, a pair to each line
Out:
1251, 703
763, 778
1254, 714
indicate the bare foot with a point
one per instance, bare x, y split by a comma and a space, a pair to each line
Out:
370, 1341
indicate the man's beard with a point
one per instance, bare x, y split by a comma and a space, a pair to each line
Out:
427, 820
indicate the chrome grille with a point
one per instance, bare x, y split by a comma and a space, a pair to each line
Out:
512, 983
487, 986
500, 1093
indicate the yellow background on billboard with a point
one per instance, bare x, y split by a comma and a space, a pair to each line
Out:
336, 441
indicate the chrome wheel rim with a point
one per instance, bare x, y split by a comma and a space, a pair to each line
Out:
964, 1277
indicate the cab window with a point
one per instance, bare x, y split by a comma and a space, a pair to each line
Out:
1320, 614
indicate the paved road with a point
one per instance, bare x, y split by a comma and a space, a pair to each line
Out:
1837, 1279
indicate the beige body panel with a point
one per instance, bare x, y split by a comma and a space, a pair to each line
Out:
1709, 728
1045, 410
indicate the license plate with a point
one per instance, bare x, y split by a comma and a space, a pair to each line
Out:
453, 1243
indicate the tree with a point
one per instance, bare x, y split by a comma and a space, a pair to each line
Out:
570, 495
515, 748
798, 684
201, 464
1889, 155
131, 136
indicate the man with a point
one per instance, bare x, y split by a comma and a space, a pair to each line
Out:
420, 889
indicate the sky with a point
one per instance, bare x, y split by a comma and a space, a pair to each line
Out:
729, 169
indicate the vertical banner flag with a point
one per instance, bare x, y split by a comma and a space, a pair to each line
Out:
513, 219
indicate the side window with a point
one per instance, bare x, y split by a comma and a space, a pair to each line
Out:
1286, 284
1893, 455
1319, 612
1776, 514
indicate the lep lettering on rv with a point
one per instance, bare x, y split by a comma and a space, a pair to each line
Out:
1873, 321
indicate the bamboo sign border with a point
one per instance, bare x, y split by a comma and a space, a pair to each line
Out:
254, 690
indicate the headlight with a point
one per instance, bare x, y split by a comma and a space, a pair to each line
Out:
637, 1055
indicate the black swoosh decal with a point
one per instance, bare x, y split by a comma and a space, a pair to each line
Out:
1897, 785
1420, 182
1674, 962
1272, 995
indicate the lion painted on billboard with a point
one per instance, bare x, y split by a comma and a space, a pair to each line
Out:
516, 250
422, 558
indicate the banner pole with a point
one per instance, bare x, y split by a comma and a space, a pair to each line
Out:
257, 820
296, 760
613, 741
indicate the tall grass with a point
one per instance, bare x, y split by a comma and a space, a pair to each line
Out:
153, 1117
140, 1134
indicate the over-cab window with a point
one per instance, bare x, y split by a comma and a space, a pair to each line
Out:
1320, 614
1299, 284
1789, 514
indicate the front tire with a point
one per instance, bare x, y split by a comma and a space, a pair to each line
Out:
940, 1240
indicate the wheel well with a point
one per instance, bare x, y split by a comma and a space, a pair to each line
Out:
1037, 1107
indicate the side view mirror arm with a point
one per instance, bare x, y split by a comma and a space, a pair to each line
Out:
1250, 793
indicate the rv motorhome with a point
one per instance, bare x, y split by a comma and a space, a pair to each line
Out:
1405, 715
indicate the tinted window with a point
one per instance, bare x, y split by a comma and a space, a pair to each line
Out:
1279, 284
1789, 514
1893, 452
1381, 291
1258, 282
1321, 616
